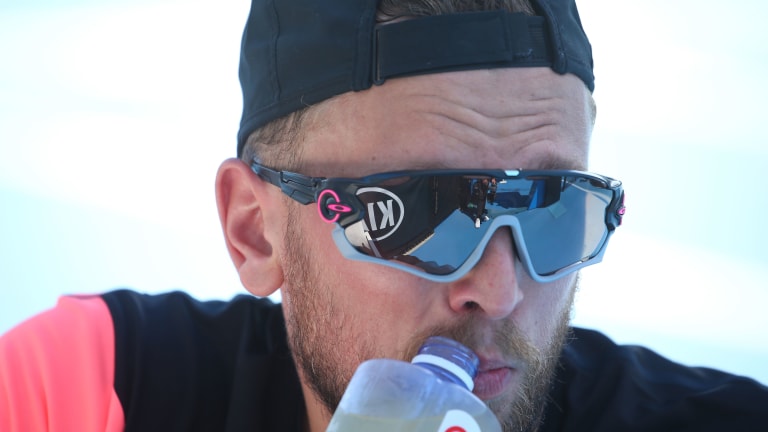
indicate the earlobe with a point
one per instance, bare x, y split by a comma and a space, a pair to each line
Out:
243, 200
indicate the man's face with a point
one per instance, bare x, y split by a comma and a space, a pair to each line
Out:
341, 312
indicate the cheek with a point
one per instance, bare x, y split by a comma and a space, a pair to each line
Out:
546, 305
384, 305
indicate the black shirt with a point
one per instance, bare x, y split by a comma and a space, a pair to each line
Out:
188, 365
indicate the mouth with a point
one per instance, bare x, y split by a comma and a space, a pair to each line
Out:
494, 379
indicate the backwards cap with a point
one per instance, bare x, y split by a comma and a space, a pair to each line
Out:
296, 53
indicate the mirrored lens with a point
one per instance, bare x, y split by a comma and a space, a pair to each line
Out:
436, 222
417, 221
568, 230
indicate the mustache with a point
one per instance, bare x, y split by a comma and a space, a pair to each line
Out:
473, 332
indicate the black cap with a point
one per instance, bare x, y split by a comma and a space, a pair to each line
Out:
296, 53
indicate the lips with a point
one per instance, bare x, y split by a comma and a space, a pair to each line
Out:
494, 378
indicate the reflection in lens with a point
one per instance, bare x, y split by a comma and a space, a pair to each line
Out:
568, 231
445, 217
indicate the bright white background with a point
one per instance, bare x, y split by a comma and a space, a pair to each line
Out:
115, 114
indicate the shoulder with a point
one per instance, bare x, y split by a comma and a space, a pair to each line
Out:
163, 313
605, 386
56, 370
161, 333
175, 354
130, 361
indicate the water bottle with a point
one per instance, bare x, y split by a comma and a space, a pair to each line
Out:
433, 393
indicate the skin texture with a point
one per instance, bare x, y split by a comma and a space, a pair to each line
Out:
341, 312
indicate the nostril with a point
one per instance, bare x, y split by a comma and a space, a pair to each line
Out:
471, 305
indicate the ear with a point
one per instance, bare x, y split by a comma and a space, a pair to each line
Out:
247, 204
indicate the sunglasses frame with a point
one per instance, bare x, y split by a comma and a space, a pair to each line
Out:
307, 190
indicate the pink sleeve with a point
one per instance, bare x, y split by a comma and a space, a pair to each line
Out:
57, 371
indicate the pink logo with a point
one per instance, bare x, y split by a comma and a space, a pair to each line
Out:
326, 206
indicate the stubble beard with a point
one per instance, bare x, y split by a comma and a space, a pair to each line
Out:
315, 324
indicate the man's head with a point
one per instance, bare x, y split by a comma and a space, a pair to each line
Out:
480, 115
297, 54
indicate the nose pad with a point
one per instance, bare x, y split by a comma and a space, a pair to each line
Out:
492, 285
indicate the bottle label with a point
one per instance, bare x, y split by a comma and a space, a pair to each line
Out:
458, 421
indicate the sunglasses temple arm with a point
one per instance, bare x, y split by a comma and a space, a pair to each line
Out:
299, 187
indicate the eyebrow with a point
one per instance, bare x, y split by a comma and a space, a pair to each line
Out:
547, 162
556, 162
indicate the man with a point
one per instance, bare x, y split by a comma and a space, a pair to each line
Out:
370, 136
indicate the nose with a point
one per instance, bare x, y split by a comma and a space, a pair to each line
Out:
491, 287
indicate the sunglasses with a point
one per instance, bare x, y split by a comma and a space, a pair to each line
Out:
436, 223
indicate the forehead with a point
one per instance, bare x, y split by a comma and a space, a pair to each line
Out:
500, 118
